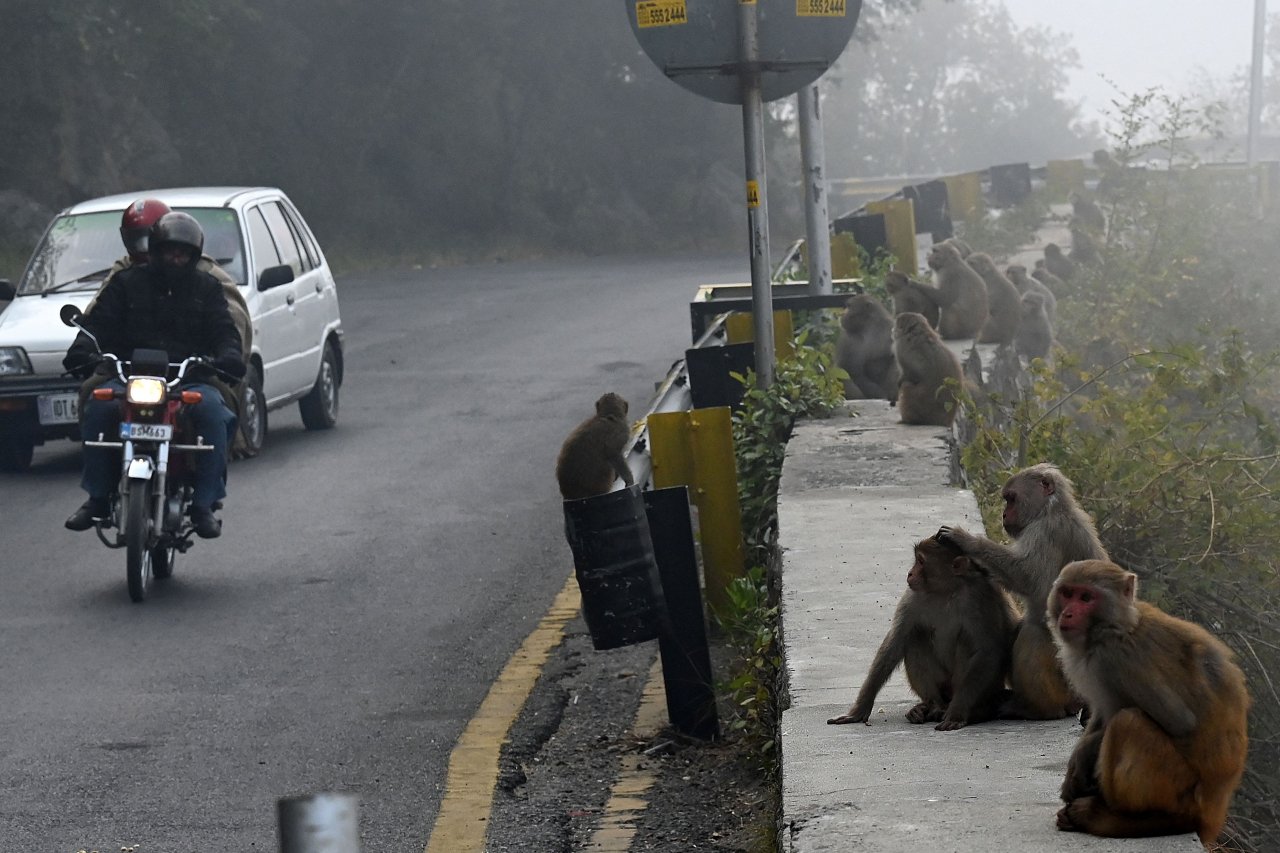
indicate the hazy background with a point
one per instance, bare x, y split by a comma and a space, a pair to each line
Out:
412, 132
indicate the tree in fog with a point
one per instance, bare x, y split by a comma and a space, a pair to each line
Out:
951, 87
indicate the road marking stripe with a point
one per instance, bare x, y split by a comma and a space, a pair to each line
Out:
473, 765
626, 802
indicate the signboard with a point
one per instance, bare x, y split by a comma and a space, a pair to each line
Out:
696, 42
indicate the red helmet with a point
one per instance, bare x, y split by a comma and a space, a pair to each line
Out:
136, 224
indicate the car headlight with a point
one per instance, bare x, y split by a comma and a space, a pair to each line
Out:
14, 361
145, 391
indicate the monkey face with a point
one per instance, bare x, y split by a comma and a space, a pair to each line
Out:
1074, 606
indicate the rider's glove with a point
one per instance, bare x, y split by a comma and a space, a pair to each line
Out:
230, 365
82, 367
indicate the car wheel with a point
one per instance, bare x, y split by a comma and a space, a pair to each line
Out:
253, 414
319, 408
15, 453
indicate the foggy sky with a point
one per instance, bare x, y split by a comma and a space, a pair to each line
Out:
1144, 43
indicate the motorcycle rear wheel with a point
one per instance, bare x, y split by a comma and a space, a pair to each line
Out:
162, 559
136, 535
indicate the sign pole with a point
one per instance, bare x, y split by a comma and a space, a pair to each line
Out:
757, 206
813, 162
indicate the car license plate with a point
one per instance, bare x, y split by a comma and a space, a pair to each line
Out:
58, 408
146, 432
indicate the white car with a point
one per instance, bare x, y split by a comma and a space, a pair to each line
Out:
254, 233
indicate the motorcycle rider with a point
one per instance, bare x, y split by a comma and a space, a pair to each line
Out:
168, 304
135, 228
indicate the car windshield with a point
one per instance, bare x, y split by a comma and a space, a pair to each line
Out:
78, 250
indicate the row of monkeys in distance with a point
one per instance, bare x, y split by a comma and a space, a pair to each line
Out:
1165, 703
902, 358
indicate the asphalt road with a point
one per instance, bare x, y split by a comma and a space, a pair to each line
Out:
370, 583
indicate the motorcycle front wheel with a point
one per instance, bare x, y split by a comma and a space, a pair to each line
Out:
137, 532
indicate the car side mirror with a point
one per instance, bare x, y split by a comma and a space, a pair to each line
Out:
275, 276
7, 290
69, 314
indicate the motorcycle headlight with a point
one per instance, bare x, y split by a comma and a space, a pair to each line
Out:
145, 391
14, 361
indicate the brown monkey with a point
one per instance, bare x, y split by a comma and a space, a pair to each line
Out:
1058, 263
952, 628
1084, 246
1048, 279
1165, 746
962, 294
1002, 301
961, 246
926, 364
591, 457
1049, 530
1087, 213
1017, 274
1035, 332
865, 350
911, 296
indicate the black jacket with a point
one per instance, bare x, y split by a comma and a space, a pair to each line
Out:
137, 309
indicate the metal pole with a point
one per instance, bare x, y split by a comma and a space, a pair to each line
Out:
813, 159
320, 823
1255, 85
757, 207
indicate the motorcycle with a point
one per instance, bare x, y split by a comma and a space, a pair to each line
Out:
149, 511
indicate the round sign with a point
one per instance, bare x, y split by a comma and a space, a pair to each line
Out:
696, 42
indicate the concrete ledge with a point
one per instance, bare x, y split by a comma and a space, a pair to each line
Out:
858, 491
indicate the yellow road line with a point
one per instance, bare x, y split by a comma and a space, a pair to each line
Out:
473, 766
626, 802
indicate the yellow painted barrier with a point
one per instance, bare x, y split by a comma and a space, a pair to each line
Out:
695, 449
900, 227
740, 329
1063, 177
964, 195
846, 262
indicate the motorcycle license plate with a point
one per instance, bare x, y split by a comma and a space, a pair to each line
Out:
146, 432
58, 408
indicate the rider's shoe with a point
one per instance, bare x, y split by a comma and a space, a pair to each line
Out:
83, 518
207, 527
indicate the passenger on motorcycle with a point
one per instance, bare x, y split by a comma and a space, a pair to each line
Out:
167, 304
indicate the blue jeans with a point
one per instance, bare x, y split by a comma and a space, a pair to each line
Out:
209, 418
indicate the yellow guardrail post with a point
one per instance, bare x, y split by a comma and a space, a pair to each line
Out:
900, 227
964, 195
845, 260
739, 329
695, 449
1061, 177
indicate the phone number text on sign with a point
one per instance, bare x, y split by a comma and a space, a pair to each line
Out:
664, 13
820, 8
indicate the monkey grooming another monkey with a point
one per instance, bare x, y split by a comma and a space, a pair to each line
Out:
962, 294
952, 629
911, 296
1167, 738
591, 457
865, 350
1017, 274
926, 364
1035, 332
1049, 530
1002, 301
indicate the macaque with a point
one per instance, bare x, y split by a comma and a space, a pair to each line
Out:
961, 246
865, 350
962, 294
1058, 263
1084, 246
1017, 274
911, 296
1164, 749
1002, 301
1041, 274
1035, 332
952, 629
1087, 213
591, 457
1049, 530
926, 364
